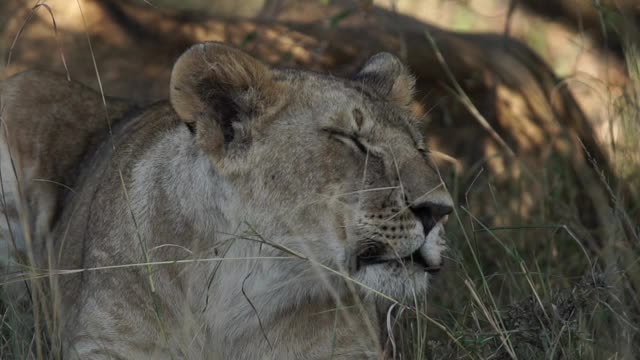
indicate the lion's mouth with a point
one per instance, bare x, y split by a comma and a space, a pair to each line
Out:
414, 259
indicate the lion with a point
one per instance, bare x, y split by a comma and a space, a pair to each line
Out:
259, 213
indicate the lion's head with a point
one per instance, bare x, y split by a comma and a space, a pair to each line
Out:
333, 169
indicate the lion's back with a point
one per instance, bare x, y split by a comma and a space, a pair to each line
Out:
49, 124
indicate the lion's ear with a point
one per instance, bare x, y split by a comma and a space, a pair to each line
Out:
219, 90
387, 75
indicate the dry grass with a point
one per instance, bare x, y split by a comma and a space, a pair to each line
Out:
518, 285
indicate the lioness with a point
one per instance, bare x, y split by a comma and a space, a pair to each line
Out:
258, 214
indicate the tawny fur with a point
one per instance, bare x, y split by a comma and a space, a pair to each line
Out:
271, 176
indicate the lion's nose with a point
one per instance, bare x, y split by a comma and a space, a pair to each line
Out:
429, 214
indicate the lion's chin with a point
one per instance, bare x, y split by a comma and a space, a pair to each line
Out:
394, 280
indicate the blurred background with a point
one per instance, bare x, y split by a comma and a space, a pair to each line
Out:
532, 106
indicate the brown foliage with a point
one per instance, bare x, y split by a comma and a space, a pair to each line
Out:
588, 16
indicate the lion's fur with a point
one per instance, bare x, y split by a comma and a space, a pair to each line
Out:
245, 165
48, 126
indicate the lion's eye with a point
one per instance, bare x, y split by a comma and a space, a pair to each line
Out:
348, 139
